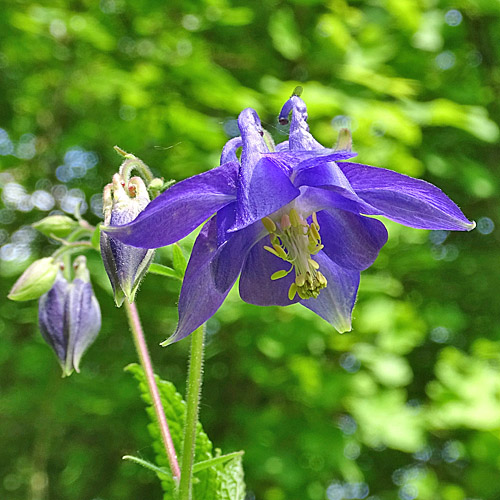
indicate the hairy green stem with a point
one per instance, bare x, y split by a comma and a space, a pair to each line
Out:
132, 163
66, 267
142, 351
193, 403
78, 233
69, 248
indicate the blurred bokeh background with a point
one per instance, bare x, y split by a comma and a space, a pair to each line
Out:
407, 405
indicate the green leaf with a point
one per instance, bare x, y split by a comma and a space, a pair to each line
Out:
216, 461
159, 471
164, 271
285, 33
96, 236
180, 262
232, 484
207, 480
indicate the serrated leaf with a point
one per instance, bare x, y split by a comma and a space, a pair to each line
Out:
164, 271
179, 261
232, 484
206, 484
220, 460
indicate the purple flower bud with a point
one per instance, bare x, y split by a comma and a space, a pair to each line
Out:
70, 317
125, 265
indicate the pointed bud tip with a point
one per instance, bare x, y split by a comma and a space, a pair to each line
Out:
119, 298
116, 229
175, 337
66, 373
120, 151
344, 328
167, 342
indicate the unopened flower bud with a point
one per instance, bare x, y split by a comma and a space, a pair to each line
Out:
124, 264
70, 317
35, 281
56, 225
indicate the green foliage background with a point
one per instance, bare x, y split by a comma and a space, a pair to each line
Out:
405, 406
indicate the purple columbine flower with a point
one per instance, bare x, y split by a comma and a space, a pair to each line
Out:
123, 200
290, 222
69, 317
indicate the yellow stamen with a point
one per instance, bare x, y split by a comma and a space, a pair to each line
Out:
294, 218
280, 252
295, 241
315, 220
279, 274
271, 250
313, 263
269, 224
321, 278
300, 279
314, 232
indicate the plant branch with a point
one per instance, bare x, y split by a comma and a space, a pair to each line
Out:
133, 163
142, 351
69, 248
193, 403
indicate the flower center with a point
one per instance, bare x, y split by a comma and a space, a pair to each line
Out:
295, 241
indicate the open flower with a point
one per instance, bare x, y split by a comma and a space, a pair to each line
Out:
290, 222
69, 317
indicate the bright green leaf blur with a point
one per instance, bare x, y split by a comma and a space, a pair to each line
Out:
405, 406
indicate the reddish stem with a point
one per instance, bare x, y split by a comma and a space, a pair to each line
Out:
142, 350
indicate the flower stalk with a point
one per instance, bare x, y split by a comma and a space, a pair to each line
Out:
193, 402
142, 351
133, 163
71, 247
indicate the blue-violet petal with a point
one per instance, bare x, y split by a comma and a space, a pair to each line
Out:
335, 303
180, 209
412, 202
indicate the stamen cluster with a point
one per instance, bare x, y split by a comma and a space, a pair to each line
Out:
295, 241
